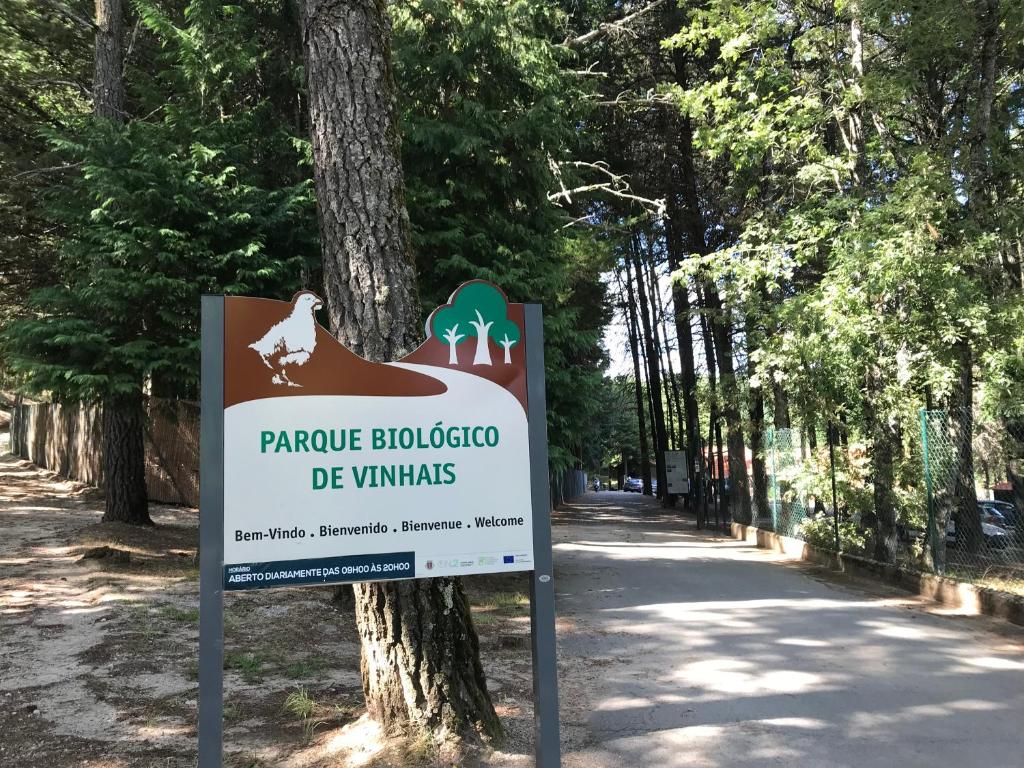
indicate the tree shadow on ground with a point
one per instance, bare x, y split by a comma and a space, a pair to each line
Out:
709, 655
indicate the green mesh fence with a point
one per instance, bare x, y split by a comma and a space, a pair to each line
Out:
957, 496
787, 507
974, 531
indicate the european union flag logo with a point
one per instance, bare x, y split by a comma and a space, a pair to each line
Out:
509, 559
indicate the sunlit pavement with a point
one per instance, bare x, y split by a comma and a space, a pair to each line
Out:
704, 652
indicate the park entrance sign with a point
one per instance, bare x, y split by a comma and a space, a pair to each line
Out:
339, 469
321, 467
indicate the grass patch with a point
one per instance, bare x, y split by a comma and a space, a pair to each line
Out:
305, 668
303, 706
483, 619
184, 615
248, 665
300, 704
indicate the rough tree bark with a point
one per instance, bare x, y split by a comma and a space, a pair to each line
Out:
108, 78
124, 417
124, 469
420, 665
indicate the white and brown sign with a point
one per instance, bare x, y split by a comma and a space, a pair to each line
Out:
339, 469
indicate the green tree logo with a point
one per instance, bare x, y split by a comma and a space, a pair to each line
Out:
480, 310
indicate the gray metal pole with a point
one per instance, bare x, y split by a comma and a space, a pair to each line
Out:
211, 535
542, 584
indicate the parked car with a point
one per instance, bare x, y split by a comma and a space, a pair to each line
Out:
994, 536
633, 485
1009, 513
991, 514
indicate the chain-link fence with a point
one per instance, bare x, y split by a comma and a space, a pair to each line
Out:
787, 505
953, 507
973, 526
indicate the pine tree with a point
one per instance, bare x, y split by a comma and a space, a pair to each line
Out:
421, 668
158, 212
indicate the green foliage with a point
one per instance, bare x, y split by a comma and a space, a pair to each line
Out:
820, 532
486, 106
45, 69
870, 215
163, 210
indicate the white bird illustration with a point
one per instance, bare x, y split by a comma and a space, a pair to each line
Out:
291, 341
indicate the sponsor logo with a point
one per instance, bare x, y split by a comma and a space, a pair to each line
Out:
430, 565
485, 560
508, 559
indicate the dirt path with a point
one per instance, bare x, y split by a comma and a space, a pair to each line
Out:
98, 657
69, 626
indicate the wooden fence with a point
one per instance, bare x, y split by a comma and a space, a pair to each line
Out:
67, 439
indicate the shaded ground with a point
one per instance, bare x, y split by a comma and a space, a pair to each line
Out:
676, 649
98, 657
714, 656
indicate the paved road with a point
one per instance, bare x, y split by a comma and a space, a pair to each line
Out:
705, 652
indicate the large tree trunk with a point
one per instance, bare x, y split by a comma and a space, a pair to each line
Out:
124, 468
369, 275
420, 654
124, 417
108, 78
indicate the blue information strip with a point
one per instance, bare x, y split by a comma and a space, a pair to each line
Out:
321, 570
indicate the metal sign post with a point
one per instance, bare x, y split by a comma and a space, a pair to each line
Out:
211, 535
231, 446
542, 583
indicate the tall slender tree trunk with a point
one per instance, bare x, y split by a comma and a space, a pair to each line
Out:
634, 349
654, 296
961, 418
108, 75
721, 331
420, 665
124, 417
715, 427
758, 464
882, 453
653, 372
685, 234
673, 406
